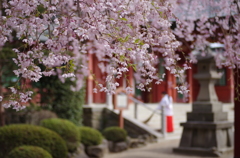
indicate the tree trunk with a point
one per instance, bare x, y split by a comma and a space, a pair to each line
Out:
2, 118
236, 114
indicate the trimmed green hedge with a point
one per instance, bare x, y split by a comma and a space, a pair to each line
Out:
21, 134
29, 152
90, 136
66, 129
115, 134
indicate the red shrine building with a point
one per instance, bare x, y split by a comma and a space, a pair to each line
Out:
224, 86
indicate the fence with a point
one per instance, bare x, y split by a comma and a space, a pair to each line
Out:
162, 113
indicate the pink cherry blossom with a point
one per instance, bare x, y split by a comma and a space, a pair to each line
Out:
122, 34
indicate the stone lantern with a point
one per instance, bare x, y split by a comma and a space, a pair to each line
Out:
207, 131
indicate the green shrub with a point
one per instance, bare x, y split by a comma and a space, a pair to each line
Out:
90, 136
66, 129
115, 134
17, 135
29, 152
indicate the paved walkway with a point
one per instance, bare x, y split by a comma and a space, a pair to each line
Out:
162, 149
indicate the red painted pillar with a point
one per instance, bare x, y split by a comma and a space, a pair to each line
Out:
174, 92
231, 80
130, 78
90, 80
190, 83
171, 84
121, 120
168, 79
237, 114
130, 82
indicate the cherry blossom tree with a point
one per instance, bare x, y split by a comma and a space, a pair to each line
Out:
204, 22
60, 33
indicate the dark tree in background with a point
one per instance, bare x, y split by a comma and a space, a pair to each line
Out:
7, 77
59, 98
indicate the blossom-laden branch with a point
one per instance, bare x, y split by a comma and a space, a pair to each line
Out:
200, 23
61, 33
208, 21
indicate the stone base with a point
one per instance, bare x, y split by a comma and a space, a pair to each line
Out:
97, 151
206, 138
79, 153
207, 116
117, 146
204, 152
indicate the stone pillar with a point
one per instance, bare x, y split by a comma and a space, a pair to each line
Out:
207, 131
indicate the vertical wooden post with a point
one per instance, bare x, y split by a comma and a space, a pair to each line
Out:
130, 81
120, 104
190, 82
169, 80
130, 78
121, 120
231, 76
174, 92
90, 81
135, 110
163, 122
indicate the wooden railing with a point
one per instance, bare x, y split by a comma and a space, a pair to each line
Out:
162, 113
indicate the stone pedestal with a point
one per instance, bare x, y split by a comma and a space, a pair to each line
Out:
206, 139
207, 131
